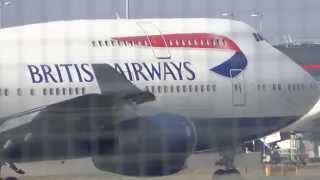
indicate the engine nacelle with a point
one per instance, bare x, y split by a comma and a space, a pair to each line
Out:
150, 146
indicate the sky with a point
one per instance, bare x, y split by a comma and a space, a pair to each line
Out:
299, 18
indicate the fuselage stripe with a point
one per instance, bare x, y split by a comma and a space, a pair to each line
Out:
185, 40
311, 66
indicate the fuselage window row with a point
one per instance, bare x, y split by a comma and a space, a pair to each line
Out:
218, 43
46, 91
281, 87
182, 88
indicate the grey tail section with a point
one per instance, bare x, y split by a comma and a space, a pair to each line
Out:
111, 82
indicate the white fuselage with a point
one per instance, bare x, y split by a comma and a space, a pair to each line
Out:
270, 86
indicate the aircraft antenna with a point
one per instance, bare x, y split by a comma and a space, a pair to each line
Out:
127, 9
117, 15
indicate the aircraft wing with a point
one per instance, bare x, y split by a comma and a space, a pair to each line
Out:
102, 126
114, 87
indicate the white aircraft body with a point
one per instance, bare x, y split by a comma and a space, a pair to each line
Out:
140, 96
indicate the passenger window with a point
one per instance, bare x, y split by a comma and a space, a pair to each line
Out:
217, 43
212, 43
223, 43
195, 88
100, 43
32, 93
195, 42
178, 89
170, 43
177, 43
0, 92
119, 43
106, 43
208, 42
279, 87
183, 43
165, 89
264, 87
289, 87
259, 87
6, 92
202, 88
94, 44
64, 91
293, 87
184, 88
44, 91
159, 89
112, 42
189, 43
214, 88
201, 42
19, 92
83, 90
208, 88
152, 89
274, 87
76, 91
190, 88
70, 91
57, 91
172, 89
51, 91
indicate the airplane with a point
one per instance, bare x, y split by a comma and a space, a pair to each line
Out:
140, 96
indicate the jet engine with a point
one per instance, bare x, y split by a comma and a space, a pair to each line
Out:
150, 146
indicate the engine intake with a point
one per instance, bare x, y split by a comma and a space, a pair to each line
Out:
150, 146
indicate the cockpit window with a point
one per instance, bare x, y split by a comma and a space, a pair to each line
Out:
258, 37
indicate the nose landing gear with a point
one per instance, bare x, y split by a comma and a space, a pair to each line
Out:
227, 161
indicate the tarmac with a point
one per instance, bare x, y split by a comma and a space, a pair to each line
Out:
199, 167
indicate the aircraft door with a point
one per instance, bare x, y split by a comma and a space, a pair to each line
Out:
154, 37
238, 88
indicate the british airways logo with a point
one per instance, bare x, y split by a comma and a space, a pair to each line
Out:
82, 73
59, 73
233, 66
157, 71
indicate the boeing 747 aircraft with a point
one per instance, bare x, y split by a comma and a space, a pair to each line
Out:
140, 96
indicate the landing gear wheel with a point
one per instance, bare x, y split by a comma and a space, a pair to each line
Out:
226, 172
219, 172
11, 178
